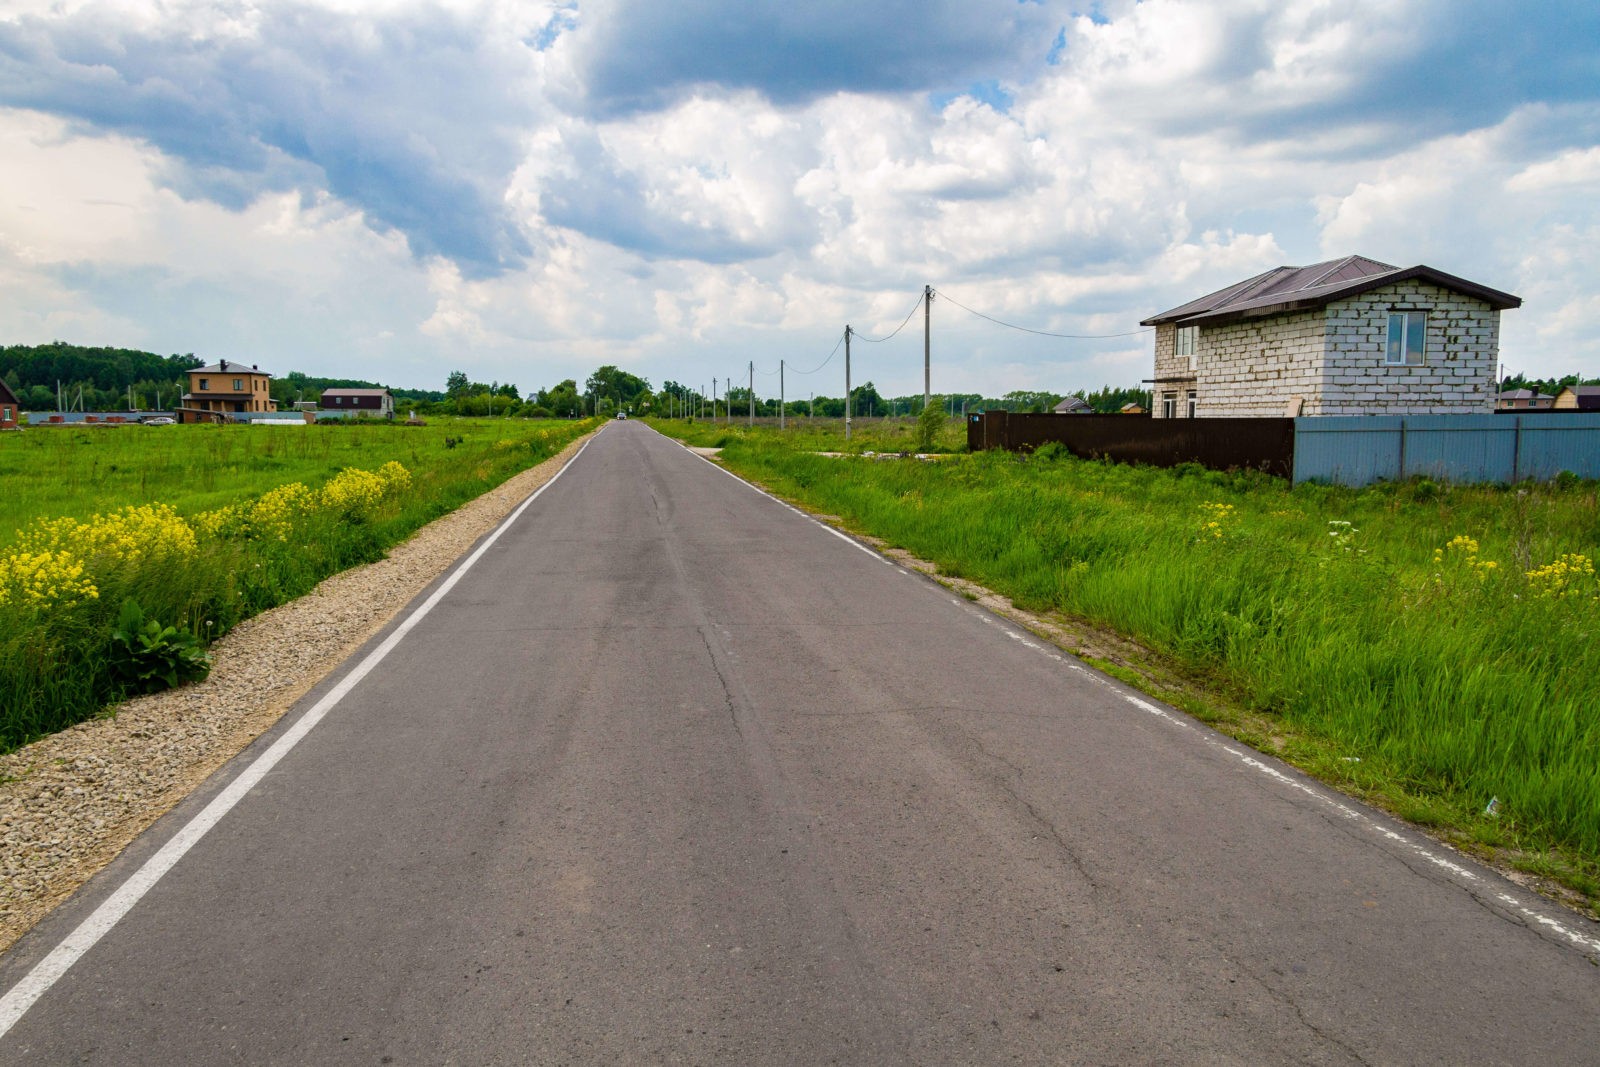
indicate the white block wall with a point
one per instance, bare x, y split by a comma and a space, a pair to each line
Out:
1333, 359
1460, 360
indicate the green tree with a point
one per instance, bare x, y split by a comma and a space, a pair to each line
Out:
562, 401
865, 401
929, 423
616, 386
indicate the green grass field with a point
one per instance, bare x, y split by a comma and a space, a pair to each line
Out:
876, 434
1432, 647
199, 527
50, 472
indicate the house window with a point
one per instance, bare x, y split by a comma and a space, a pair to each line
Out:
5, 414
1408, 332
1169, 405
205, 384
1193, 402
238, 385
1187, 341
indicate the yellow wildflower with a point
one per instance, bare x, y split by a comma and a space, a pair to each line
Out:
131, 536
1461, 553
1568, 575
1214, 520
44, 579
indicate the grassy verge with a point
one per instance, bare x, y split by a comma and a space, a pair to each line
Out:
1428, 647
243, 519
878, 434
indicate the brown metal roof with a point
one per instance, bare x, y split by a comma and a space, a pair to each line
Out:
1295, 288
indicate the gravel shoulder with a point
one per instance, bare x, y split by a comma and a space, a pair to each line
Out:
69, 803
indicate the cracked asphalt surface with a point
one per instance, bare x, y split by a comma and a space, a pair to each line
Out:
677, 775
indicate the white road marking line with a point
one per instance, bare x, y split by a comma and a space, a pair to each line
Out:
1250, 760
1215, 740
49, 970
846, 538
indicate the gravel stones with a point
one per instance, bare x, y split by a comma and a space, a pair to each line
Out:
69, 803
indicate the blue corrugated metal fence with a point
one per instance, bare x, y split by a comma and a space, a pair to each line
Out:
1361, 449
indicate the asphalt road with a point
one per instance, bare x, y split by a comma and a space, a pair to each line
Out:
676, 775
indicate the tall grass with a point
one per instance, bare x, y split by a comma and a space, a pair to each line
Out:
876, 434
235, 536
1417, 634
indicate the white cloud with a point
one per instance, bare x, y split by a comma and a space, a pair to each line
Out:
418, 187
1574, 167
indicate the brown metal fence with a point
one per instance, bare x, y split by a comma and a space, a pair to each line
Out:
1265, 444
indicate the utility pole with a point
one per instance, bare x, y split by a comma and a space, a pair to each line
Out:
781, 401
927, 343
713, 398
752, 422
847, 383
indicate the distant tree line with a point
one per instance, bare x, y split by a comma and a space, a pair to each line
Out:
104, 379
867, 402
101, 377
1547, 386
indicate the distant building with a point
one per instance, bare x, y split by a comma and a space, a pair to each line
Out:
1351, 336
1523, 400
1578, 398
225, 389
1074, 405
1133, 409
376, 402
10, 408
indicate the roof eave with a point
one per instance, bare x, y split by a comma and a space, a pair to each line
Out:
1497, 300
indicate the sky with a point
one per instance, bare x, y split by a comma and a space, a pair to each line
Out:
524, 190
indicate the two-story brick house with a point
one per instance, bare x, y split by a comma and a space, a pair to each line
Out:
225, 389
1350, 336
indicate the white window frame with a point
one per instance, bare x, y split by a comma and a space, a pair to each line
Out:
1192, 403
1405, 326
1169, 405
1186, 342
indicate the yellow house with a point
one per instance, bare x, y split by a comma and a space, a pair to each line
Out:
1578, 398
218, 391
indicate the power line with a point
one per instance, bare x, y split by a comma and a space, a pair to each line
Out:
859, 336
1041, 333
825, 362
